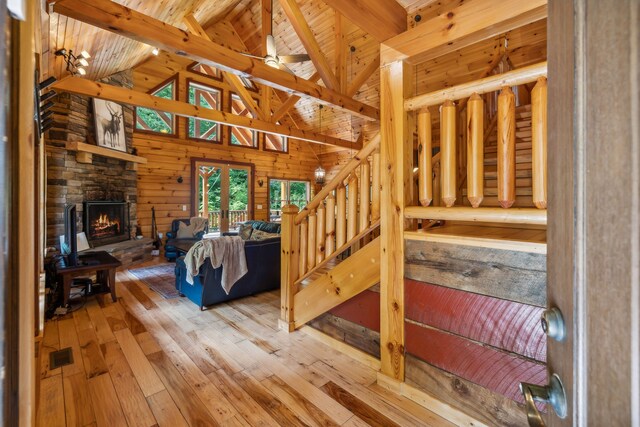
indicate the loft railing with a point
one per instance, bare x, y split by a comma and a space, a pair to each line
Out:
341, 216
440, 180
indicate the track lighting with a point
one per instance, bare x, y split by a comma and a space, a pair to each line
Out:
75, 64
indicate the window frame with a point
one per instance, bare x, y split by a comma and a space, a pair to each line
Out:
271, 150
289, 180
174, 121
190, 68
230, 128
218, 140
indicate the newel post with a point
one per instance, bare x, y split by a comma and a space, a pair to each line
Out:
288, 265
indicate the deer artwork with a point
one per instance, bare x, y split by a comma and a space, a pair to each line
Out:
111, 126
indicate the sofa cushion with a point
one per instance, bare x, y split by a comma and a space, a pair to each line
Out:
269, 227
244, 231
262, 235
185, 231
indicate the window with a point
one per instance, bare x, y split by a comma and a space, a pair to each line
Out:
158, 121
205, 70
241, 136
275, 142
208, 97
283, 192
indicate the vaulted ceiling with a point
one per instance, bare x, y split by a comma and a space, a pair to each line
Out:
112, 53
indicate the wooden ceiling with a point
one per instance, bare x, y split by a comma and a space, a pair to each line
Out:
112, 53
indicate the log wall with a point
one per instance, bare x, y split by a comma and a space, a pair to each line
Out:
169, 157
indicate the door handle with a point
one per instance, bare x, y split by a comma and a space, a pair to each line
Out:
553, 394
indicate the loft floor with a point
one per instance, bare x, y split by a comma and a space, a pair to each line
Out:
146, 361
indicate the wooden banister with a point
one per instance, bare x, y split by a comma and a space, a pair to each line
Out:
489, 84
366, 151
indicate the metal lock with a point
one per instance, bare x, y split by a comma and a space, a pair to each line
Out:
553, 324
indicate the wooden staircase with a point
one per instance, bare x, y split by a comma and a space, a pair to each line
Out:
330, 249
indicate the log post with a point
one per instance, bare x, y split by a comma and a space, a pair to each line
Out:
539, 143
425, 180
375, 186
475, 150
288, 266
341, 216
330, 227
352, 210
304, 227
320, 233
506, 147
311, 241
448, 150
365, 194
396, 154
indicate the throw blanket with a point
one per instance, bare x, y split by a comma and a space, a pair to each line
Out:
198, 224
227, 251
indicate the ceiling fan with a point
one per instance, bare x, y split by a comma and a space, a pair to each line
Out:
274, 60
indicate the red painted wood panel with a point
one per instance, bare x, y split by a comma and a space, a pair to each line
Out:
504, 324
363, 309
496, 370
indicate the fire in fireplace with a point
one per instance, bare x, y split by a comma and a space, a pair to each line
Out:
106, 221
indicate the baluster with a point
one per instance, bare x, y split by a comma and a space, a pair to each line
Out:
539, 142
341, 216
320, 232
352, 210
375, 187
425, 180
475, 150
437, 193
311, 241
304, 227
506, 147
448, 152
329, 245
365, 194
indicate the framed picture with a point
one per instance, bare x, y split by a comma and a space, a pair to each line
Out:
109, 125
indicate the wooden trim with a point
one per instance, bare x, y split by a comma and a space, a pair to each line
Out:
112, 93
122, 20
517, 77
464, 25
476, 241
382, 19
460, 213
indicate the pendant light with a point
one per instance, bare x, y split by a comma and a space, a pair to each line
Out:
320, 173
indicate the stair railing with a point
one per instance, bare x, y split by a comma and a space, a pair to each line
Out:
505, 122
339, 217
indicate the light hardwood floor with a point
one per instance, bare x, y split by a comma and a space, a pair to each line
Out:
150, 361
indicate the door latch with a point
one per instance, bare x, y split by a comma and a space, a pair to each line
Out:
553, 394
553, 324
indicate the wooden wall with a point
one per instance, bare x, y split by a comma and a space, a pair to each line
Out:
169, 157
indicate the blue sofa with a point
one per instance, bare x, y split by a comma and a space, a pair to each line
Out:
170, 251
263, 263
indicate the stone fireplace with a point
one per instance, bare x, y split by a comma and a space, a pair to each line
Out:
106, 222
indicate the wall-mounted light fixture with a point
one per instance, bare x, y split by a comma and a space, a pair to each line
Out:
260, 182
75, 64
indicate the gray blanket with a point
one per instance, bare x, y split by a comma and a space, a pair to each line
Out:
226, 251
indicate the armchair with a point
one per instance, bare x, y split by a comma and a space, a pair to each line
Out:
170, 251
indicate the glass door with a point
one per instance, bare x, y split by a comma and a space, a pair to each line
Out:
222, 194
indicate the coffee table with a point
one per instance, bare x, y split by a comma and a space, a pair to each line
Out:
101, 263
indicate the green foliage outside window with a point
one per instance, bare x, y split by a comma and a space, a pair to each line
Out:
157, 121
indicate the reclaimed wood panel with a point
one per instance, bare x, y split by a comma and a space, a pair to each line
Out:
363, 309
510, 275
507, 325
488, 367
348, 332
477, 401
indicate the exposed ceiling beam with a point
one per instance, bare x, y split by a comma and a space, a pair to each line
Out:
194, 27
121, 20
464, 25
80, 86
296, 18
382, 19
363, 76
341, 52
290, 102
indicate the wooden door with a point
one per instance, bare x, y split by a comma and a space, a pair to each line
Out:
222, 193
594, 203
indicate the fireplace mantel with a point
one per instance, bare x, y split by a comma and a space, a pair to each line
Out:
85, 153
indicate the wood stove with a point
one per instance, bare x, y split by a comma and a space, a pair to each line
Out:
106, 222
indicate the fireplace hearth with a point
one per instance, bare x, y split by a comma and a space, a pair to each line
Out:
106, 222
